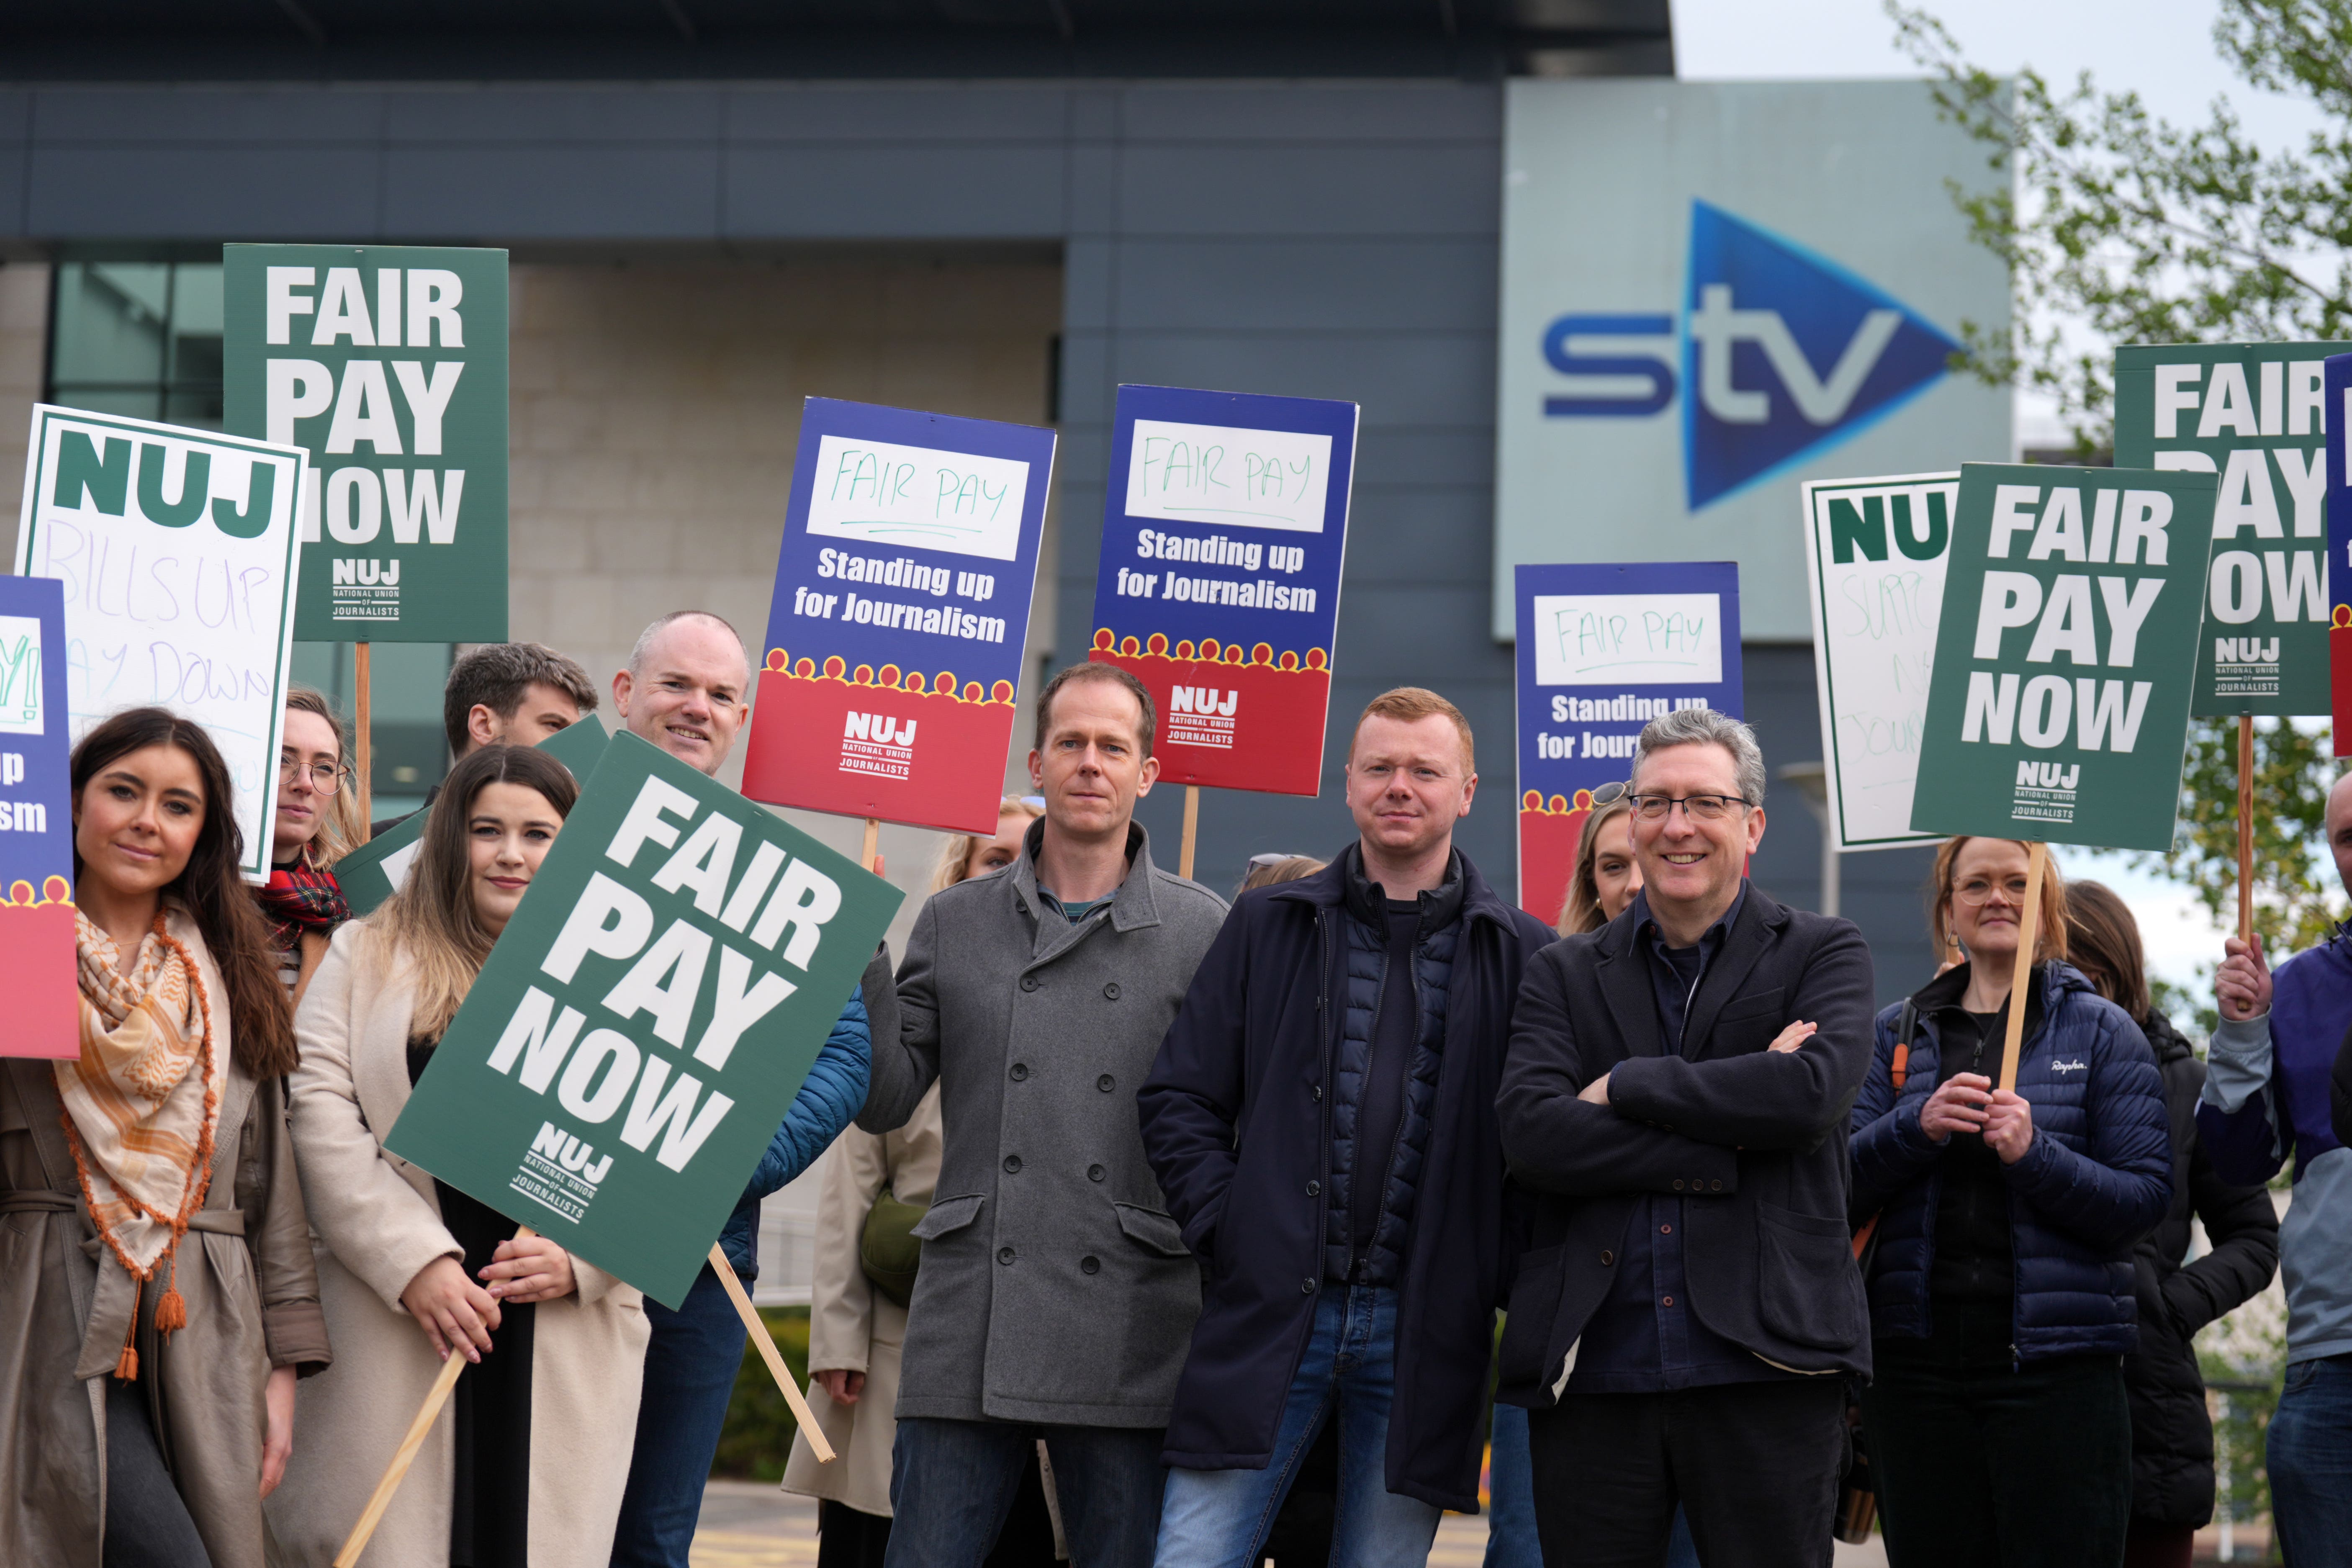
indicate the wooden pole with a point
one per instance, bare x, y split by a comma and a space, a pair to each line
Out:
757, 1328
1191, 830
873, 838
2029, 932
435, 1397
364, 764
2245, 827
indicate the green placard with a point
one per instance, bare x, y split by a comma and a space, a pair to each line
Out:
579, 747
389, 362
2059, 704
646, 1019
2250, 414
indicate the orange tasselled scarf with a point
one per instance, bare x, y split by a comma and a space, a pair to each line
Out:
141, 1107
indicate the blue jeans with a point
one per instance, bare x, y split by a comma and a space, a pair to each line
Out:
690, 1364
2310, 1463
953, 1482
1511, 1502
1219, 1518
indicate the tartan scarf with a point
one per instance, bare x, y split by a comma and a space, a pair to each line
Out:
301, 898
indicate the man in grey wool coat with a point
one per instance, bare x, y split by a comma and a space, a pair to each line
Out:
1056, 1297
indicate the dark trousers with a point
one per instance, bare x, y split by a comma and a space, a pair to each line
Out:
952, 1483
848, 1539
1981, 1461
690, 1364
147, 1525
1754, 1466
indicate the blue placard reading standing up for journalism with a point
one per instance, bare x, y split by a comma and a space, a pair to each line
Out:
1603, 649
2335, 411
37, 912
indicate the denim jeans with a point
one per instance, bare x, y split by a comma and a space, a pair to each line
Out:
1219, 1518
1511, 1502
2310, 1451
953, 1482
690, 1364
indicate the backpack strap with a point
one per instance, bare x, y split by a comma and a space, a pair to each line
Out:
1906, 1024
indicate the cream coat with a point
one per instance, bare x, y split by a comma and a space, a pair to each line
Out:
853, 1326
378, 1224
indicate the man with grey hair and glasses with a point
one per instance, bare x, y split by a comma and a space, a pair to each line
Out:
1675, 1096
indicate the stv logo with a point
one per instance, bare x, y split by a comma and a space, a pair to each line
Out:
1790, 354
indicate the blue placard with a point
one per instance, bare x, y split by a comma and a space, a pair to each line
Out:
1603, 649
2336, 417
36, 924
1225, 532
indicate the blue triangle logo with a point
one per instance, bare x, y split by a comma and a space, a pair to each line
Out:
1786, 353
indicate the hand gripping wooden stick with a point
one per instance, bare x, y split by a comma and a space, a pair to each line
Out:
435, 1398
757, 1328
2029, 932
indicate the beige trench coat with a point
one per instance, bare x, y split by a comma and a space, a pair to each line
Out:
853, 1326
378, 1223
245, 1270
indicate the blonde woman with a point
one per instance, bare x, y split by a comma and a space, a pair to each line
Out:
1607, 876
318, 823
527, 1464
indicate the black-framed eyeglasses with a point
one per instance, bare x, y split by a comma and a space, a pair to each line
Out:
1697, 807
326, 778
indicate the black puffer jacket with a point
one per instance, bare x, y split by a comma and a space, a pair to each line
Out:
2172, 1437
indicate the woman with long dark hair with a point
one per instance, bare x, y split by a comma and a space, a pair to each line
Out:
528, 1466
155, 1268
318, 823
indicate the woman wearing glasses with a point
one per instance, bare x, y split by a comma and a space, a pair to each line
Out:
317, 825
1999, 1268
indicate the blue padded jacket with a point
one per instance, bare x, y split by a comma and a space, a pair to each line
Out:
829, 1098
2096, 1178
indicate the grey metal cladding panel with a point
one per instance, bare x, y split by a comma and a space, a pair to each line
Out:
551, 192
1413, 535
175, 192
1321, 285
950, 112
1266, 190
1463, 456
1313, 112
175, 116
1396, 633
1423, 380
14, 162
15, 115
894, 193
513, 113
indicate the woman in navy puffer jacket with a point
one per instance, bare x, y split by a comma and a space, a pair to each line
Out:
2002, 1294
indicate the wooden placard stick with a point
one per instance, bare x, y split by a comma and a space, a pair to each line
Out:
2245, 827
2029, 932
757, 1328
1191, 830
435, 1397
873, 841
363, 761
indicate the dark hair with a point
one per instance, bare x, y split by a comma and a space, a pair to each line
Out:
498, 675
2103, 941
1095, 670
210, 887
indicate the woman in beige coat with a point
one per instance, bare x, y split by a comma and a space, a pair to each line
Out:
409, 1267
157, 1297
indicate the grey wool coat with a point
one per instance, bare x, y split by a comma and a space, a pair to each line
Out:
1054, 1288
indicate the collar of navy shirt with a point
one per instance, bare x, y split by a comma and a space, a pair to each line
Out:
1754, 923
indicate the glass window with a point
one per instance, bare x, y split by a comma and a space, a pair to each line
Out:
141, 338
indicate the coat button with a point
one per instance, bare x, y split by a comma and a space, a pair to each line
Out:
1093, 1173
1678, 1183
1316, 1090
1004, 1255
1104, 1083
1314, 1189
1012, 1164
1028, 983
1307, 1287
1608, 1258
1020, 1072
1090, 1265
1715, 1187
1111, 990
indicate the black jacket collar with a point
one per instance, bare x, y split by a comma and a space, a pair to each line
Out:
1475, 899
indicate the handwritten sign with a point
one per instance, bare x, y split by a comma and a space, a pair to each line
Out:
176, 550
36, 911
1874, 555
1602, 651
883, 492
1229, 475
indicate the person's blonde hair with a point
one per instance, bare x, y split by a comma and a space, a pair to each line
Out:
430, 926
1286, 868
1409, 704
2049, 939
1581, 910
956, 853
341, 831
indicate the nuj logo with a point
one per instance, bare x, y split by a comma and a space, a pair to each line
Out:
879, 727
2048, 775
554, 1144
2245, 650
1203, 699
354, 573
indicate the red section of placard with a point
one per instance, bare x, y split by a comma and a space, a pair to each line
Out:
1548, 832
913, 746
1232, 717
2339, 677
36, 972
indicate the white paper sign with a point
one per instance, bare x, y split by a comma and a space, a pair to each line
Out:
1874, 554
1225, 477
1629, 639
881, 493
176, 548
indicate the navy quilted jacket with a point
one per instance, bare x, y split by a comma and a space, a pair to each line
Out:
1367, 974
2096, 1178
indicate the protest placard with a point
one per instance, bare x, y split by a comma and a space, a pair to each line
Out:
646, 1019
1225, 530
2254, 415
387, 362
37, 910
176, 552
2066, 655
1874, 555
1602, 651
2337, 386
901, 609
